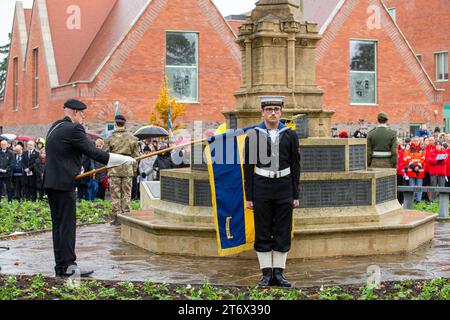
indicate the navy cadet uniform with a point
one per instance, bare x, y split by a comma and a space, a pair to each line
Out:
272, 186
66, 143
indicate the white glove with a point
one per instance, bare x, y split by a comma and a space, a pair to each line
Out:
118, 160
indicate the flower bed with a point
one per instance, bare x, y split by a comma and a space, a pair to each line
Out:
40, 288
30, 216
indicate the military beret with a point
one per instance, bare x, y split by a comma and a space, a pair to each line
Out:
382, 116
120, 118
74, 104
271, 101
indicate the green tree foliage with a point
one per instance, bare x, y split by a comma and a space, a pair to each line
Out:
4, 51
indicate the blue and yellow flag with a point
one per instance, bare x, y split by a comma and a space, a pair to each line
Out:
234, 222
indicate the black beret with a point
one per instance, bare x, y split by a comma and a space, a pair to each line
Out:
74, 104
120, 118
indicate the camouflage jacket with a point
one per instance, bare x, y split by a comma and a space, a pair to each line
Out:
126, 144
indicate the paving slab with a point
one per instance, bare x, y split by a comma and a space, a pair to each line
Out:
101, 248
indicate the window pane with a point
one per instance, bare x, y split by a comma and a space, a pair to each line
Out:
183, 83
181, 49
362, 56
362, 88
445, 57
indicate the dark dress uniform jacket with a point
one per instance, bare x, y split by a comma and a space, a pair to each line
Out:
257, 186
66, 143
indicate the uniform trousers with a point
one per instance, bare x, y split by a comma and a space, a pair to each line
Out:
273, 224
121, 194
63, 211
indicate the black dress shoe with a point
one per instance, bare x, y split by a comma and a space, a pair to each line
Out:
266, 279
279, 280
65, 274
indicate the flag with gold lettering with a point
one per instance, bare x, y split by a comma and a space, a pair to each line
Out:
233, 221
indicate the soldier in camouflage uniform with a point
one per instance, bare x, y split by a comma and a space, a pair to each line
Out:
121, 178
382, 145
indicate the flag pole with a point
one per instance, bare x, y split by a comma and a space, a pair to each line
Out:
92, 172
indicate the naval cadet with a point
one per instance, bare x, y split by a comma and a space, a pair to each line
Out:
272, 174
382, 145
66, 142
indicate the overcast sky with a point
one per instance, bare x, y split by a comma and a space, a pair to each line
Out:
227, 7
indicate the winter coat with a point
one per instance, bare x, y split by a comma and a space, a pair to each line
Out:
437, 168
146, 168
448, 162
39, 169
401, 162
415, 156
429, 149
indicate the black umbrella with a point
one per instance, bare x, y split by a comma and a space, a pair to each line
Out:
148, 132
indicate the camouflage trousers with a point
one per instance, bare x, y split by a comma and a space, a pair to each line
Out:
381, 163
121, 195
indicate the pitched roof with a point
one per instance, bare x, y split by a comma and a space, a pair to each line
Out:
71, 41
235, 24
28, 19
115, 28
321, 12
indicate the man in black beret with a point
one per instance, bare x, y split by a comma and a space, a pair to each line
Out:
66, 143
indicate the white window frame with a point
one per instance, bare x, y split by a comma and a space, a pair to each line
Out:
436, 55
35, 100
197, 99
393, 13
375, 42
108, 124
16, 84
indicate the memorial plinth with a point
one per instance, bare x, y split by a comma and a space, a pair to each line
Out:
345, 209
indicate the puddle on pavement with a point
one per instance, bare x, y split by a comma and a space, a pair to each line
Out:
100, 247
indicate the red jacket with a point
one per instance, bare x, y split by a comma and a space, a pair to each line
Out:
448, 162
437, 168
415, 155
401, 161
429, 149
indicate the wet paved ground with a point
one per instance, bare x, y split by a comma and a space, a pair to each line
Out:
100, 247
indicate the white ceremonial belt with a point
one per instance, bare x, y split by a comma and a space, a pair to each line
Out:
382, 154
272, 174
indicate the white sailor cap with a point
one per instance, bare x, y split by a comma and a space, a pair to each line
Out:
271, 101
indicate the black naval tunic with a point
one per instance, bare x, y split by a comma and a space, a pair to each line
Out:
272, 197
66, 143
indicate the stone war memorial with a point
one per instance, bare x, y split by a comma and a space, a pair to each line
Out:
261, 97
346, 209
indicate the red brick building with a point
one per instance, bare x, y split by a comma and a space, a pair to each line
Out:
124, 49
426, 25
365, 65
104, 51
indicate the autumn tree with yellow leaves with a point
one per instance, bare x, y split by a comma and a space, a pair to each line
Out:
160, 115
